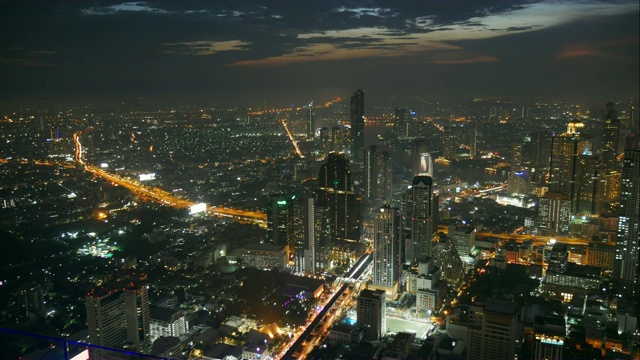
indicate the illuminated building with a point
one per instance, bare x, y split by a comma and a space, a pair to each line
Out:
421, 202
516, 156
421, 161
548, 337
473, 141
310, 121
372, 314
370, 178
570, 169
357, 124
601, 255
450, 150
464, 239
384, 176
279, 220
118, 316
386, 250
628, 239
166, 322
611, 139
335, 193
430, 290
336, 138
554, 214
310, 236
401, 123
493, 330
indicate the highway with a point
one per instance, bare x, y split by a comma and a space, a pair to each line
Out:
168, 199
352, 276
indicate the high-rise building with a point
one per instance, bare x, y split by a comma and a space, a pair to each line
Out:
386, 250
118, 315
357, 124
611, 139
279, 220
516, 156
493, 330
569, 171
450, 149
372, 314
421, 217
335, 193
549, 334
421, 161
336, 138
473, 141
628, 239
370, 172
310, 121
401, 123
554, 214
384, 176
310, 236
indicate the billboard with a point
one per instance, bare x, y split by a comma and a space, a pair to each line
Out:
146, 177
198, 208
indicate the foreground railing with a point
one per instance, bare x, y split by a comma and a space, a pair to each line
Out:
15, 344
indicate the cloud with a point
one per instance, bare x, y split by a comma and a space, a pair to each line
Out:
140, 6
204, 47
600, 50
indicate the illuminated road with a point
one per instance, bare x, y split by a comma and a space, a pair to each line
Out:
363, 264
166, 198
293, 141
538, 239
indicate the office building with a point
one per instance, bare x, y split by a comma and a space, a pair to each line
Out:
335, 193
422, 226
430, 290
628, 237
554, 214
310, 121
611, 138
473, 141
401, 123
549, 334
357, 124
370, 172
372, 314
451, 144
493, 330
279, 220
386, 250
384, 176
118, 315
167, 322
310, 236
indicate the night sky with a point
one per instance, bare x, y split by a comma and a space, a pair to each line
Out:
241, 51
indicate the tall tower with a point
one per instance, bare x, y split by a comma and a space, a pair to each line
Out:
384, 175
310, 120
370, 171
357, 124
450, 148
335, 193
310, 236
401, 123
473, 141
421, 217
611, 138
372, 314
279, 220
386, 246
570, 158
421, 161
626, 263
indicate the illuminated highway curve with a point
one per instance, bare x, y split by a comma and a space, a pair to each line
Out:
168, 199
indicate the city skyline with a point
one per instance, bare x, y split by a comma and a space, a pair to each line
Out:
249, 51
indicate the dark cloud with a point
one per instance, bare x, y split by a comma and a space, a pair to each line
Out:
223, 47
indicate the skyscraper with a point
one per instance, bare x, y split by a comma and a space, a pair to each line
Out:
372, 314
570, 162
493, 330
421, 162
310, 236
335, 193
401, 123
384, 176
386, 246
611, 139
473, 141
628, 240
450, 149
370, 172
421, 217
118, 315
279, 220
357, 124
310, 120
